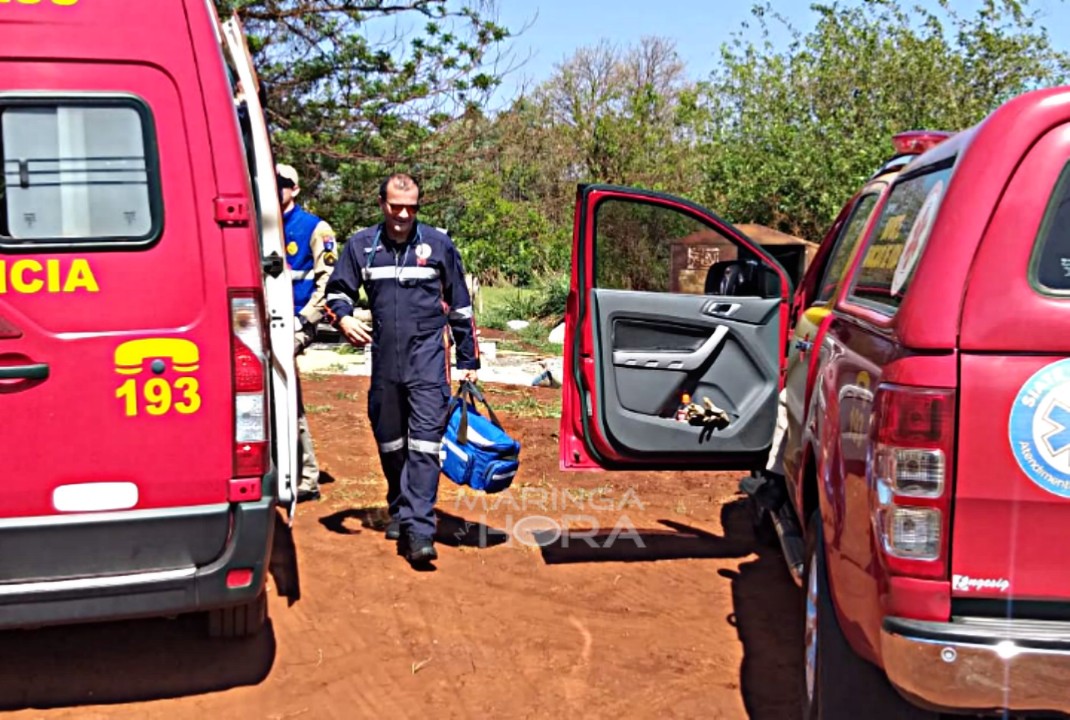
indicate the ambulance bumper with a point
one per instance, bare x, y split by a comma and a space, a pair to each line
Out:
155, 593
979, 665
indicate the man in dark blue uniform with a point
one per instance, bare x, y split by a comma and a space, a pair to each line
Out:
414, 279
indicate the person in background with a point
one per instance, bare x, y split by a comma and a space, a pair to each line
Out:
310, 254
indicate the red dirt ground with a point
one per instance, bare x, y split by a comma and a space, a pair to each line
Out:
689, 618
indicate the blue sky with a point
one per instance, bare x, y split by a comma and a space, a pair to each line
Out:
699, 27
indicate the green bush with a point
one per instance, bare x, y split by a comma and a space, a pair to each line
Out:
544, 301
502, 304
552, 295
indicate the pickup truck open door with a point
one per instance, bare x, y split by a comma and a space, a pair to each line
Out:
668, 299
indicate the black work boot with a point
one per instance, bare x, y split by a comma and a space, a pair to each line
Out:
420, 549
393, 528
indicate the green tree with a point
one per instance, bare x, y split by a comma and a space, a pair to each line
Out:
792, 133
606, 115
623, 113
360, 88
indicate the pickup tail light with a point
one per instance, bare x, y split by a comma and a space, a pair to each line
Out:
912, 532
249, 366
910, 470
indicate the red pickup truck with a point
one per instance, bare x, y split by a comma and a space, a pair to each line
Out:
931, 482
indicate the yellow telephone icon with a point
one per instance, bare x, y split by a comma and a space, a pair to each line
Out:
130, 357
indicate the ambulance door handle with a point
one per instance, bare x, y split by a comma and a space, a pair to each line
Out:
37, 371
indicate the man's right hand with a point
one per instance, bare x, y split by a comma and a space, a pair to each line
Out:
355, 331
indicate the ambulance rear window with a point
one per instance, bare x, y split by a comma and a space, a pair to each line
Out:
77, 172
1052, 265
899, 238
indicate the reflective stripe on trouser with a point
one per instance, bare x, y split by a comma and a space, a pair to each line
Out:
408, 421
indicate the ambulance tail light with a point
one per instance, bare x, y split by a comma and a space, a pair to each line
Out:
910, 469
249, 365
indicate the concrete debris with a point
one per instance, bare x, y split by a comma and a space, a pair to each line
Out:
557, 335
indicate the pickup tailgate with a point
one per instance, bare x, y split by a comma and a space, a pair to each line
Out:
1011, 522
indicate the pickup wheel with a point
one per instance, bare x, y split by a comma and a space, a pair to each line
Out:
239, 621
836, 683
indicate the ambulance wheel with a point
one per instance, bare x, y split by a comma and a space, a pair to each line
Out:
239, 621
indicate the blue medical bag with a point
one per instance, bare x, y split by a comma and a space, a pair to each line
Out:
477, 452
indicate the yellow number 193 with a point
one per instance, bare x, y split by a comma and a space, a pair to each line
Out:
158, 395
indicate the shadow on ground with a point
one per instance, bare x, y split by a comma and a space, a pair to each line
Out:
283, 563
453, 531
767, 610
126, 662
139, 660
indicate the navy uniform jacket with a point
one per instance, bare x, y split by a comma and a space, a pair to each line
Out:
415, 292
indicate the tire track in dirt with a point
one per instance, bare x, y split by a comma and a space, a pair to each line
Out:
472, 632
520, 637
683, 558
391, 643
577, 682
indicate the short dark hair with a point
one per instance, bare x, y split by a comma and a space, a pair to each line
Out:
402, 180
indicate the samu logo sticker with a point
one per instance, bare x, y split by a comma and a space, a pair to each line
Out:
1040, 428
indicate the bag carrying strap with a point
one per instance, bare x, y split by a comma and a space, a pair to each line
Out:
468, 392
477, 394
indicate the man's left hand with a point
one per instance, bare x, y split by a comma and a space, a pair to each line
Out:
471, 376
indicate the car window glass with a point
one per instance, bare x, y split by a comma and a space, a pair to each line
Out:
652, 248
899, 239
845, 245
1052, 265
74, 172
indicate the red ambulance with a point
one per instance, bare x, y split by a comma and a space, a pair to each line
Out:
146, 346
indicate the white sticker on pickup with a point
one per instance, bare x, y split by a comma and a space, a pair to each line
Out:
915, 242
965, 583
95, 497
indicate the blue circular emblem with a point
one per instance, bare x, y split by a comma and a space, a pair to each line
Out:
1039, 428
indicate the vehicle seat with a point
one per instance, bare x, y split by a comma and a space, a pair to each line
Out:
731, 277
741, 278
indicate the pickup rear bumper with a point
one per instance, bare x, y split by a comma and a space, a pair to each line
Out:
979, 664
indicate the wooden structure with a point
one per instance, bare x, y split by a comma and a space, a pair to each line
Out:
692, 255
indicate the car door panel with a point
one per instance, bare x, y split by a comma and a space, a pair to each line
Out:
647, 372
632, 354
